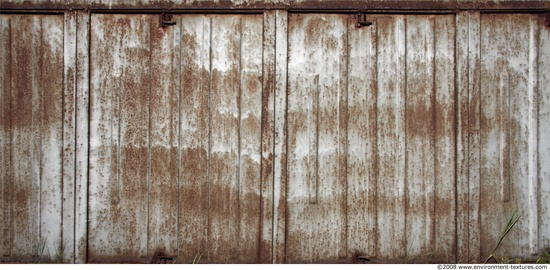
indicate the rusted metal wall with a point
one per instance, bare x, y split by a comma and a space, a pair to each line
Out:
374, 142
175, 137
371, 137
31, 83
274, 136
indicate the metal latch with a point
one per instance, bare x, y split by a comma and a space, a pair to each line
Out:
362, 20
166, 20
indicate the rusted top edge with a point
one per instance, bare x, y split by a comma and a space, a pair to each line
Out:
290, 5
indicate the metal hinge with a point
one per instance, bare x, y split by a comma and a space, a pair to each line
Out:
362, 20
166, 20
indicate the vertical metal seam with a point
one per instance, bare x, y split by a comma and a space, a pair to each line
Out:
75, 120
273, 148
284, 157
261, 179
239, 108
180, 86
88, 135
467, 156
315, 109
404, 147
3, 143
346, 134
456, 124
10, 132
533, 136
433, 239
40, 127
147, 215
376, 158
209, 131
63, 87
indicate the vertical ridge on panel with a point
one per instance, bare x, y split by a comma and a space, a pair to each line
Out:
362, 129
83, 141
250, 139
495, 82
37, 103
318, 93
341, 136
24, 213
312, 177
391, 136
224, 138
280, 173
6, 189
543, 142
119, 136
474, 154
51, 130
68, 201
507, 43
533, 103
164, 114
267, 136
462, 137
420, 129
194, 136
503, 117
445, 149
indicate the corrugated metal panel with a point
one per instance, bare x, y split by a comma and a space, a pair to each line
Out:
175, 138
31, 70
509, 139
287, 137
371, 137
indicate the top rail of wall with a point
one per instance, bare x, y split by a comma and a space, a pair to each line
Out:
290, 5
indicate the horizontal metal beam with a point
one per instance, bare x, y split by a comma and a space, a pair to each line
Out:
290, 5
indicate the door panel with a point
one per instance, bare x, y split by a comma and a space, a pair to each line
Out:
175, 138
31, 139
371, 138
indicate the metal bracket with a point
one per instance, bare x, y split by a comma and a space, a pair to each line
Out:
362, 20
166, 20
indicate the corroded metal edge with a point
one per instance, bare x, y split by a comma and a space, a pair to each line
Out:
290, 5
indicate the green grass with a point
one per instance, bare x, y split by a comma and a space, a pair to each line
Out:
512, 221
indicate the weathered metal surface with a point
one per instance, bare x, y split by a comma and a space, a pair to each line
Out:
543, 91
371, 137
32, 136
175, 138
314, 5
509, 138
274, 138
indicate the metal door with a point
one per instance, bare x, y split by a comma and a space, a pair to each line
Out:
371, 138
175, 138
513, 77
31, 126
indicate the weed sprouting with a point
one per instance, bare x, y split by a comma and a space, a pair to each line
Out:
509, 226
